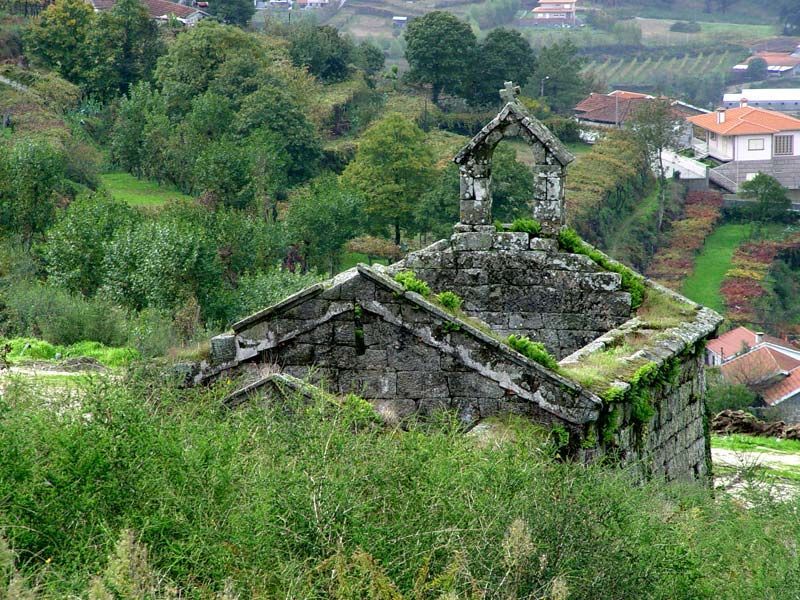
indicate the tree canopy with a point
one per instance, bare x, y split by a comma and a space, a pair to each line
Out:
439, 50
502, 56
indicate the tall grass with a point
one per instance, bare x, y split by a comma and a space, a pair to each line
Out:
320, 501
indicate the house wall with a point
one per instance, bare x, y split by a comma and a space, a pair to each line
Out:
720, 148
525, 286
788, 411
743, 152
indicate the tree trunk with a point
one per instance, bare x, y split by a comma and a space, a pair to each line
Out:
662, 192
435, 91
397, 232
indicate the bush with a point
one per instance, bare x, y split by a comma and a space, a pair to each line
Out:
531, 226
450, 300
567, 130
533, 350
42, 311
410, 282
729, 396
685, 27
264, 289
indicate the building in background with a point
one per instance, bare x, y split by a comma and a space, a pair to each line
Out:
161, 10
555, 13
780, 99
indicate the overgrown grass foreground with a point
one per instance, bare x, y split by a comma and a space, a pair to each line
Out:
145, 491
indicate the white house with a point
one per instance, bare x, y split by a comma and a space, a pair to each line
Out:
748, 140
555, 12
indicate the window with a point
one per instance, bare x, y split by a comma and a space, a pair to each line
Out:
784, 144
712, 136
755, 144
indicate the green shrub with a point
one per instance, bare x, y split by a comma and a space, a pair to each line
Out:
410, 282
531, 226
31, 348
728, 396
263, 289
535, 351
570, 241
48, 312
450, 300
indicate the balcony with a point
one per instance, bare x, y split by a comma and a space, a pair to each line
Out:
700, 148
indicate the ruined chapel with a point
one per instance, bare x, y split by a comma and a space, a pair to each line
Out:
629, 382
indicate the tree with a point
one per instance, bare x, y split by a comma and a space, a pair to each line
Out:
76, 245
439, 49
757, 69
504, 55
656, 127
58, 37
393, 168
322, 49
323, 217
790, 16
31, 174
558, 77
233, 12
122, 48
369, 58
771, 200
222, 172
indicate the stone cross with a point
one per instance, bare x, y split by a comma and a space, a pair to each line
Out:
510, 92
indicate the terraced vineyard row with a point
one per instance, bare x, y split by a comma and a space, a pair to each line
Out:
636, 70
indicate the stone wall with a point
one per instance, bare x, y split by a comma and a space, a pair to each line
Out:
368, 336
523, 285
674, 443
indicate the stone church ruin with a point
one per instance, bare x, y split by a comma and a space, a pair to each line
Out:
629, 381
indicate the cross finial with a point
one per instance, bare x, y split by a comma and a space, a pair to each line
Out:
510, 92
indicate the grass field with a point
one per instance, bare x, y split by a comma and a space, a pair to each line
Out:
712, 263
749, 443
138, 192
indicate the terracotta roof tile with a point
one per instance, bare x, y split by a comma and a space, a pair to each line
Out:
783, 389
747, 120
156, 8
759, 367
732, 342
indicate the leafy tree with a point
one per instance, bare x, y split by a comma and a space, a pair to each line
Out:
757, 69
291, 131
123, 45
504, 55
323, 217
438, 209
559, 76
790, 16
439, 49
512, 186
322, 49
393, 169
76, 245
771, 200
58, 37
656, 127
233, 12
127, 133
31, 174
222, 173
369, 57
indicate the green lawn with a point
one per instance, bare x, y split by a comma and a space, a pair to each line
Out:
712, 263
139, 192
351, 259
578, 148
750, 443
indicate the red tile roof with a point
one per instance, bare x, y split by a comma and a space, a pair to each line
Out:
732, 342
783, 389
776, 59
156, 8
759, 367
747, 120
603, 108
627, 94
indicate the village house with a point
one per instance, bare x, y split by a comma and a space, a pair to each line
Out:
161, 10
779, 64
558, 13
748, 140
768, 366
780, 99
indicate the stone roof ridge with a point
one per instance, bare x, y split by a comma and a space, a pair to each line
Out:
516, 112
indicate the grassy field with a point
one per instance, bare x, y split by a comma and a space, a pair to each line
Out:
655, 32
749, 443
138, 192
712, 263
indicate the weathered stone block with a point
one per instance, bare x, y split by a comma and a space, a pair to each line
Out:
511, 241
471, 241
